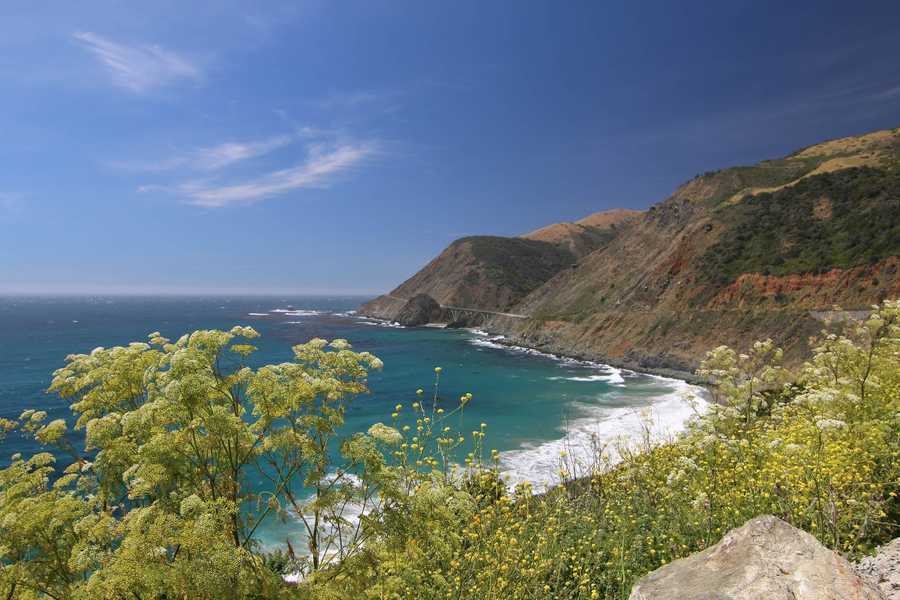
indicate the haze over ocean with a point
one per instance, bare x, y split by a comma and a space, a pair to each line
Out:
536, 405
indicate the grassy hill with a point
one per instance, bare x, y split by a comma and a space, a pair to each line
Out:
741, 253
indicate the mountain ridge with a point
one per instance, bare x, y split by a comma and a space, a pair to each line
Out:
731, 256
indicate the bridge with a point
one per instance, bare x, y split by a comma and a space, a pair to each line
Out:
457, 313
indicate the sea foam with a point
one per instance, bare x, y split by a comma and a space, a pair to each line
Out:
379, 323
613, 376
603, 430
597, 429
296, 312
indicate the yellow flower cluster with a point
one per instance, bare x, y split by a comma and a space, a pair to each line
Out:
818, 447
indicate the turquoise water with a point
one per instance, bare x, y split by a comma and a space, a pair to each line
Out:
535, 405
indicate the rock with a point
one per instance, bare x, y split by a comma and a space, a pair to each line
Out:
419, 310
383, 307
766, 559
883, 570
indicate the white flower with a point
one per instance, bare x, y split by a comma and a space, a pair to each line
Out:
386, 434
675, 477
192, 505
688, 463
340, 344
701, 501
830, 425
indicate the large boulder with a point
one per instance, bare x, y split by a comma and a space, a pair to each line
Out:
419, 310
883, 570
766, 559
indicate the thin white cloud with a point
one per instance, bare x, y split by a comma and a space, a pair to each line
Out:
885, 94
138, 67
210, 158
322, 167
370, 101
232, 152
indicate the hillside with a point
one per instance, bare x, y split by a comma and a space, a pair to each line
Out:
733, 255
585, 235
496, 273
490, 273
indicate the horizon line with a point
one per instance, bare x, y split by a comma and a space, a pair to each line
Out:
237, 293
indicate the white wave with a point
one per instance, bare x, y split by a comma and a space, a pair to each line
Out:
258, 314
350, 513
348, 313
603, 429
292, 322
486, 343
298, 312
567, 361
376, 323
614, 377
495, 342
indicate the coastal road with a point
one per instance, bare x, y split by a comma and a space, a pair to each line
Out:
467, 309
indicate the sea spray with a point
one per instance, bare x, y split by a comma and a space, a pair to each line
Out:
595, 436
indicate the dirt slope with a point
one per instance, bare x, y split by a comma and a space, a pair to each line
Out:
732, 256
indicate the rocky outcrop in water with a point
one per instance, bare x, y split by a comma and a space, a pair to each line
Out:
420, 310
766, 559
732, 256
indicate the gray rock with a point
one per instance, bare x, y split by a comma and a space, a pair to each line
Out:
883, 570
766, 559
419, 310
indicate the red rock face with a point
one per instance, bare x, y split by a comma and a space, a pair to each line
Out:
652, 293
858, 287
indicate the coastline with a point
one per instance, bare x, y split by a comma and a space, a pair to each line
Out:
668, 372
538, 463
502, 337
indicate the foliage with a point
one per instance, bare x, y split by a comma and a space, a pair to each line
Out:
161, 504
769, 173
780, 233
515, 263
186, 451
818, 447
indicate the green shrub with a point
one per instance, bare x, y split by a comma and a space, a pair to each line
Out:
162, 510
777, 233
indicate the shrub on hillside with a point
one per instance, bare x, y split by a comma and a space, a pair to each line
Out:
158, 504
818, 447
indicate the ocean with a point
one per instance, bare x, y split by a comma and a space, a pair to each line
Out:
535, 405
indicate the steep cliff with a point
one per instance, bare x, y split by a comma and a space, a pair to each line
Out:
495, 273
489, 273
732, 256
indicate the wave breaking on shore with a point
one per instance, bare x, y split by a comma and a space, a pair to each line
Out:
596, 436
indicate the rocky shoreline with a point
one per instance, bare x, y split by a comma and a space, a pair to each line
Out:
505, 337
662, 369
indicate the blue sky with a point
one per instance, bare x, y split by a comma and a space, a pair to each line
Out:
335, 147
